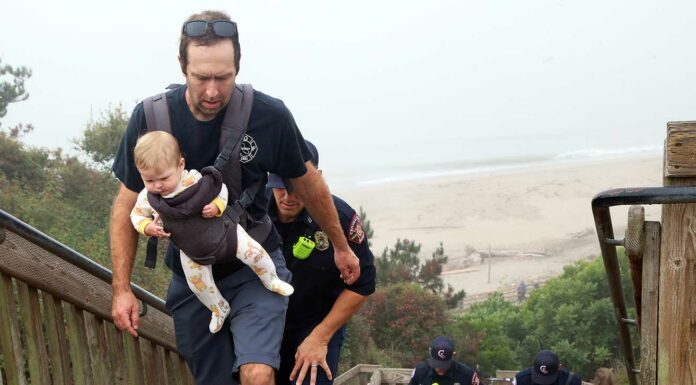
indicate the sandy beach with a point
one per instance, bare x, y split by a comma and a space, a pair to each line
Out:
534, 220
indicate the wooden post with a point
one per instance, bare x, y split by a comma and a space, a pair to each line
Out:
676, 355
489, 263
649, 303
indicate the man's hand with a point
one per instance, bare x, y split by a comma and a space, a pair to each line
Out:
125, 312
348, 264
210, 211
310, 355
314, 193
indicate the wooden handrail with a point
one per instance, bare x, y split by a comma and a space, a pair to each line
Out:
59, 329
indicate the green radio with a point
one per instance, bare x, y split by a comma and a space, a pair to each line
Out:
303, 248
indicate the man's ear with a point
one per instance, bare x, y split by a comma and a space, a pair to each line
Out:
182, 65
319, 171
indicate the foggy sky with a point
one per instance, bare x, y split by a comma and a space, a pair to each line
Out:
380, 82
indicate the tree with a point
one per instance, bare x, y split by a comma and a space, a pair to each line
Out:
359, 346
25, 167
101, 138
400, 264
403, 264
367, 227
12, 90
61, 195
492, 325
571, 315
574, 316
404, 318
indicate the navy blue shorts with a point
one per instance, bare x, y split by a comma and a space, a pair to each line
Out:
252, 333
293, 339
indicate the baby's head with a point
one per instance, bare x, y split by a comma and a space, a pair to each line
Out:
159, 161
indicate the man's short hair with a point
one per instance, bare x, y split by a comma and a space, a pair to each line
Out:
208, 39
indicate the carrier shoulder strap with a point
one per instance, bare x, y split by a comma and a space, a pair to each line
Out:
157, 111
234, 127
157, 119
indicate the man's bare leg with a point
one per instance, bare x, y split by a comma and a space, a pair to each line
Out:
256, 374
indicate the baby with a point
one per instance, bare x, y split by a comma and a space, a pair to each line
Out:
161, 166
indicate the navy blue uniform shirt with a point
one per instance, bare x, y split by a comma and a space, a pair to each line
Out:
458, 373
525, 378
316, 279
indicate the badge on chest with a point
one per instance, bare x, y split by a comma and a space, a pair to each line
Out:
321, 240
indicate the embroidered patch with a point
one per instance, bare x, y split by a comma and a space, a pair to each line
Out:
321, 240
355, 232
248, 149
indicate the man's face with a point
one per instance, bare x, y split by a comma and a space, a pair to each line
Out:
288, 204
440, 371
210, 75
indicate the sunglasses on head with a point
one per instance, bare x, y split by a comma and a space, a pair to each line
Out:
221, 28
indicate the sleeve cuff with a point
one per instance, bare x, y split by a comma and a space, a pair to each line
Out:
220, 205
143, 224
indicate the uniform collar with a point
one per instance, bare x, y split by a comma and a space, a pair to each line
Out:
447, 373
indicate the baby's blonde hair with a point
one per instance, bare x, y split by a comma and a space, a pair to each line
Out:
156, 150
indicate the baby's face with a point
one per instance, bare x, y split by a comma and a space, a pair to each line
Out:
161, 181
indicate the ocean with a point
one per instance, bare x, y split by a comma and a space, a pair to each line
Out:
349, 175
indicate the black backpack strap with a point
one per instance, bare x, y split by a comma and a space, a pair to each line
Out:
157, 113
234, 127
151, 253
157, 119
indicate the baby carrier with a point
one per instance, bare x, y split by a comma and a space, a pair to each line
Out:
209, 240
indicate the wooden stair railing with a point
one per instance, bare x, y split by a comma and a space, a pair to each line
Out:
55, 320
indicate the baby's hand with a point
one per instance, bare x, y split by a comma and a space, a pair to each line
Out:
156, 218
155, 230
210, 210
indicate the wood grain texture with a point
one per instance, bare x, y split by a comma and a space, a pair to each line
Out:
677, 294
680, 150
650, 300
29, 263
9, 334
37, 355
77, 342
57, 341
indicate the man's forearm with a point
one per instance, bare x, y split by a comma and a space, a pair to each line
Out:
347, 304
124, 240
317, 198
